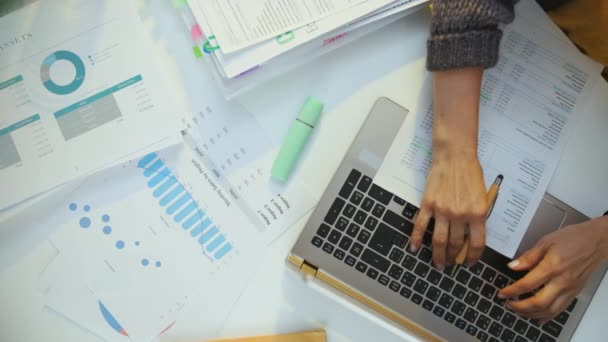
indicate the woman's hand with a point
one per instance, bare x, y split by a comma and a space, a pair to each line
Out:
455, 193
560, 263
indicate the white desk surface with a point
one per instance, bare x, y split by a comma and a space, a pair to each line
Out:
387, 63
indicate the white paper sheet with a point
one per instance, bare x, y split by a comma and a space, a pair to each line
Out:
529, 104
238, 24
78, 98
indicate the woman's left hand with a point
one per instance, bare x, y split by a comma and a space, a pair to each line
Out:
560, 263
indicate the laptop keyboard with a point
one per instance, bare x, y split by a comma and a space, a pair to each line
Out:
362, 232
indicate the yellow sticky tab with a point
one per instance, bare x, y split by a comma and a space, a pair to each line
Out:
179, 3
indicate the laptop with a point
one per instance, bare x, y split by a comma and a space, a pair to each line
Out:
357, 242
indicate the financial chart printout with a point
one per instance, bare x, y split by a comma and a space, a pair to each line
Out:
529, 103
78, 91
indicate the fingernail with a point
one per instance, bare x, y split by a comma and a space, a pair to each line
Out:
501, 296
440, 267
513, 263
413, 248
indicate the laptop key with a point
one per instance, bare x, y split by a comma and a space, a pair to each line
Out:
364, 183
375, 260
483, 322
475, 284
316, 241
323, 230
471, 330
421, 286
364, 236
495, 329
409, 211
405, 292
501, 281
463, 276
460, 324
488, 274
409, 262
398, 222
507, 336
399, 240
382, 240
356, 249
361, 267
520, 327
572, 305
408, 279
449, 317
459, 291
476, 268
434, 277
383, 279
349, 210
546, 338
356, 198
458, 307
438, 311
395, 272
328, 248
446, 284
484, 305
446, 300
417, 299
427, 304
562, 318
380, 195
425, 255
497, 312
471, 298
399, 200
352, 230
378, 210
422, 269
372, 273
482, 336
509, 319
396, 255
341, 224
345, 243
433, 293
350, 182
371, 223
368, 204
552, 328
334, 211
471, 315
488, 291
499, 301
520, 339
360, 216
350, 261
339, 254
533, 334
334, 236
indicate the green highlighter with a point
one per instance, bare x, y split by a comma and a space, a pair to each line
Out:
296, 139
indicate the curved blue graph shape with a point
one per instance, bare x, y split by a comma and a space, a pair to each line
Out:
111, 320
45, 72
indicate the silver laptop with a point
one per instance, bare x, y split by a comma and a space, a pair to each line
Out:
357, 239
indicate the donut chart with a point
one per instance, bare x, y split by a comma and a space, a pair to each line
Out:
45, 75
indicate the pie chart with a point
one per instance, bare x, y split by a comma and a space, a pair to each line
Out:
62, 89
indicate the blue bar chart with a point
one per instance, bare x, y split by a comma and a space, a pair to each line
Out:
182, 208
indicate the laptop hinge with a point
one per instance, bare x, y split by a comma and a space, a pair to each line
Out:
309, 268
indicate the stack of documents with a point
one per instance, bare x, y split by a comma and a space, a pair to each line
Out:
248, 42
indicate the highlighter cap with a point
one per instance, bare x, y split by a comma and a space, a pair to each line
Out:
311, 110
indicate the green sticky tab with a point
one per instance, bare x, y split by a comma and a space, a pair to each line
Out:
179, 3
198, 53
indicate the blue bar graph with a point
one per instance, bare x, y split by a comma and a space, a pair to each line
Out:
208, 235
223, 251
193, 219
185, 212
182, 207
215, 243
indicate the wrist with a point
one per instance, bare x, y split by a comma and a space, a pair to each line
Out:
601, 227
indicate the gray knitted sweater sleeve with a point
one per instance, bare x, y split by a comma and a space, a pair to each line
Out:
464, 33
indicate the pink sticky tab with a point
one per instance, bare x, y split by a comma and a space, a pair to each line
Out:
196, 33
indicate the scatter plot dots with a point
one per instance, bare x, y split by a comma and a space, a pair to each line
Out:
105, 218
107, 230
73, 206
85, 222
87, 208
120, 244
145, 262
157, 264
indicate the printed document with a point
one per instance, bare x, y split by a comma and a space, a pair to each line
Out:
529, 104
78, 92
241, 23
